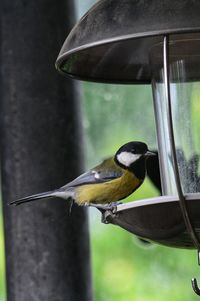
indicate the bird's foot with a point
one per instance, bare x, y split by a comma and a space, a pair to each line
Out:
110, 206
106, 210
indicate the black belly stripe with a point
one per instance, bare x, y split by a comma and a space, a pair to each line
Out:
138, 169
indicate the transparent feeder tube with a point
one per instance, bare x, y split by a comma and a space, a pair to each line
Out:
184, 89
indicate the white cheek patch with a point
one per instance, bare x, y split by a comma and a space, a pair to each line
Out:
127, 158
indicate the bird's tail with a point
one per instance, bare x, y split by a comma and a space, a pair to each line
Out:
44, 195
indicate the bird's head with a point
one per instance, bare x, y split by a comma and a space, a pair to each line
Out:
131, 152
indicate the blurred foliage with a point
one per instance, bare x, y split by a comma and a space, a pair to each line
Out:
123, 267
114, 115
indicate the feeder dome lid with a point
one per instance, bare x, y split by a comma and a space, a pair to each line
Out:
112, 41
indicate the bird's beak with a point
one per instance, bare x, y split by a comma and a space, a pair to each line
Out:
149, 154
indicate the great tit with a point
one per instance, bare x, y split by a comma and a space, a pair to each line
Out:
111, 181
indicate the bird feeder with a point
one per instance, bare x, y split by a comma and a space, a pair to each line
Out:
158, 43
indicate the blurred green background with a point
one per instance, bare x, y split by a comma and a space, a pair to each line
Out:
124, 268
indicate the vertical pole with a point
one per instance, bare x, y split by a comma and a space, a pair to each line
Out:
47, 249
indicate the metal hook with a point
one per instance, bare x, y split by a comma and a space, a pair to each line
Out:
195, 286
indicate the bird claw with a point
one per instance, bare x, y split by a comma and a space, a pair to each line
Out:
111, 206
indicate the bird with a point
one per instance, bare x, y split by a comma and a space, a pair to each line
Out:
109, 182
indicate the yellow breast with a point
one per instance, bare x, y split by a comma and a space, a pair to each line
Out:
111, 191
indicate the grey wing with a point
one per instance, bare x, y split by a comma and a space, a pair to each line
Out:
94, 177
